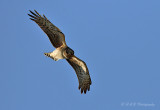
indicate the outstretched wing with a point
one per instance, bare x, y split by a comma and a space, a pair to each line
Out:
55, 35
82, 73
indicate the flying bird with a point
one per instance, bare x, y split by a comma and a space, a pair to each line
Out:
62, 51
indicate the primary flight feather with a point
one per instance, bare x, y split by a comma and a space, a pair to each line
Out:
62, 51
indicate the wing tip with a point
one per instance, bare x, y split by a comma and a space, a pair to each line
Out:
84, 89
37, 13
34, 14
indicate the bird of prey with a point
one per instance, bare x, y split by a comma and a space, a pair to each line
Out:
62, 51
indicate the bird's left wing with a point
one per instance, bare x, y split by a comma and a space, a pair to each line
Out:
82, 72
55, 35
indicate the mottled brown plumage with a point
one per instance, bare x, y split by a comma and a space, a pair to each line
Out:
62, 51
82, 72
54, 34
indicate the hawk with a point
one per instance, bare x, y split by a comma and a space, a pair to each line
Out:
62, 51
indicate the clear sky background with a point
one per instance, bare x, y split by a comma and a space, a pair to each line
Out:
118, 39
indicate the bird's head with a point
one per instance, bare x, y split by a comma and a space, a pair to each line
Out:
68, 52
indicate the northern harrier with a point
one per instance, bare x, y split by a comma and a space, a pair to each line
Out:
62, 51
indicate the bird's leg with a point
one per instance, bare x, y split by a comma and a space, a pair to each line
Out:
55, 55
50, 54
47, 54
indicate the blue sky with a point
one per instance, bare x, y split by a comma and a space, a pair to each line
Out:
118, 39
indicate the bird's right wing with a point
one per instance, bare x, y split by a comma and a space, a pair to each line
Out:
82, 72
55, 35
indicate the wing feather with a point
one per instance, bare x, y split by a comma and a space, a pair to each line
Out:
54, 34
82, 72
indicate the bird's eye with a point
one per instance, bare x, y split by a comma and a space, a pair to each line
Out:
67, 51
